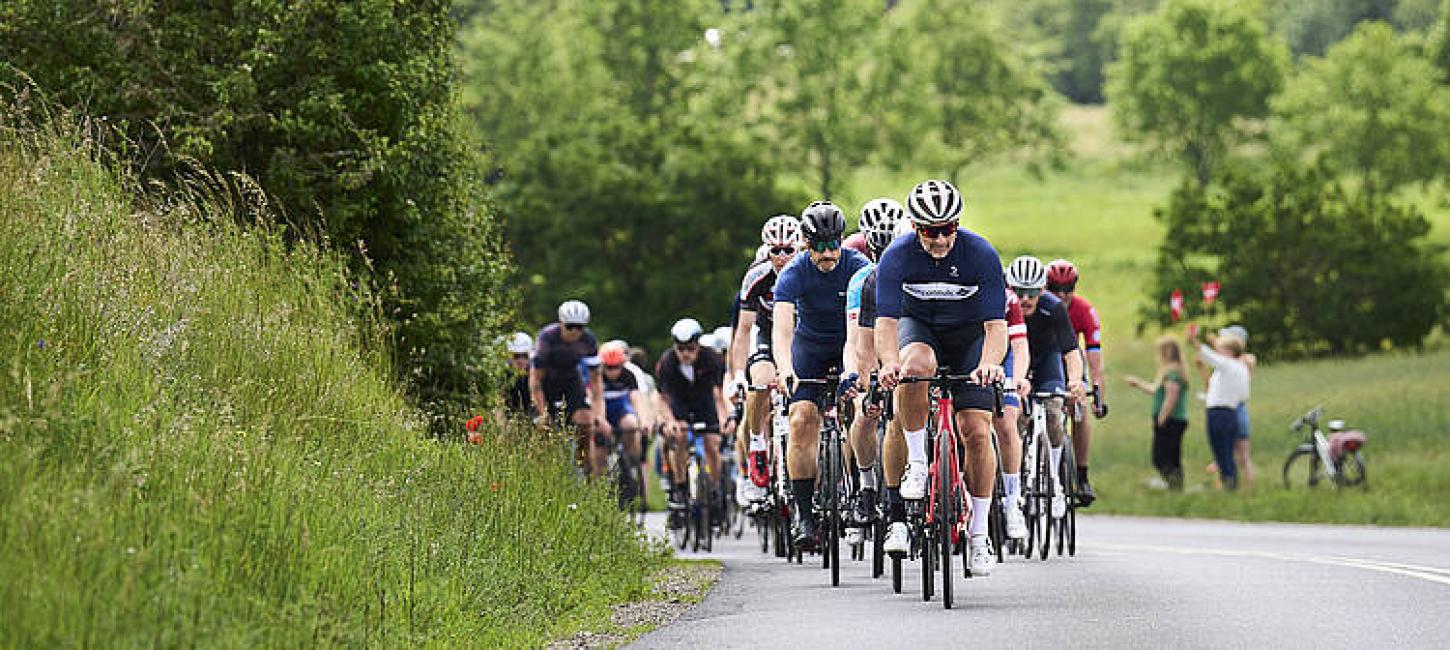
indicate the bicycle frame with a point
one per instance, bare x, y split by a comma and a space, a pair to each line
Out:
949, 461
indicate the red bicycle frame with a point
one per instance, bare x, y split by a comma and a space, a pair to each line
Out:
946, 426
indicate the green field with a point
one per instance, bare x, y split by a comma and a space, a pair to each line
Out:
1098, 213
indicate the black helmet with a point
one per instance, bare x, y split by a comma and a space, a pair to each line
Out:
822, 221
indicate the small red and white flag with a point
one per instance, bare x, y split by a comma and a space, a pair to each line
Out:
1175, 304
1210, 292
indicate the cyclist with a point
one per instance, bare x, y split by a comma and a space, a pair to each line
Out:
687, 377
1019, 358
564, 349
753, 363
879, 220
517, 401
940, 299
624, 405
1062, 282
1052, 343
808, 336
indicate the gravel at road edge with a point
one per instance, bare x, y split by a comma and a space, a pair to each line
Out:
677, 588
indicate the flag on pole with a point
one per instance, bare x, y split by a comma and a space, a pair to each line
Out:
1210, 292
1175, 304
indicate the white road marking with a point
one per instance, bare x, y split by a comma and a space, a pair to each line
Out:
1432, 574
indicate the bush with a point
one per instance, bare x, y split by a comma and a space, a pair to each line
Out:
345, 114
1307, 266
203, 447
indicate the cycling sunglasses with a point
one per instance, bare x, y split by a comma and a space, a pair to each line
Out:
615, 367
827, 245
687, 347
935, 232
573, 326
782, 250
1027, 293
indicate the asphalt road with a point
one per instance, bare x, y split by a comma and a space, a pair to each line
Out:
1134, 583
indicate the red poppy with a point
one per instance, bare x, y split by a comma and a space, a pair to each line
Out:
474, 423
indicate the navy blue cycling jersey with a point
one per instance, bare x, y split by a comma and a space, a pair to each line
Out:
819, 298
565, 362
964, 287
1049, 334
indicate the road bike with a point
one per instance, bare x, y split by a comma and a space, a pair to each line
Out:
831, 489
691, 521
627, 473
948, 503
1038, 488
1333, 458
771, 517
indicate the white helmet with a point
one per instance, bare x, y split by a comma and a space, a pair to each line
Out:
686, 330
878, 222
574, 312
520, 343
723, 334
1026, 272
932, 203
781, 230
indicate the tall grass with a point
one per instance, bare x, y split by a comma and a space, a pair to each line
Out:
199, 444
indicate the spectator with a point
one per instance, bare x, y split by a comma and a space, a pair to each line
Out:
1170, 410
1228, 387
1241, 444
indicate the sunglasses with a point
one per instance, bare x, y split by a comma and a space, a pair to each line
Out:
615, 367
688, 347
520, 356
934, 232
573, 326
827, 245
1027, 293
1060, 288
782, 250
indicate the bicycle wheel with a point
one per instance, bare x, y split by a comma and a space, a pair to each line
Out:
1044, 502
831, 481
946, 514
1068, 472
926, 543
878, 547
1351, 470
1307, 471
1072, 532
896, 574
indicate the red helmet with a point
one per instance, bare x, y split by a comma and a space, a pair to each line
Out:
857, 241
612, 355
1061, 273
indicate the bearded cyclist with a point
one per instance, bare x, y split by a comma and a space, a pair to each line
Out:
1052, 344
751, 361
688, 378
564, 350
878, 223
1062, 282
940, 301
808, 336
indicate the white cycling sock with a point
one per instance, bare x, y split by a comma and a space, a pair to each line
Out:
916, 446
978, 524
1055, 455
1012, 485
757, 442
868, 478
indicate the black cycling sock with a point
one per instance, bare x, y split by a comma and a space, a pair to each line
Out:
805, 491
1082, 474
896, 506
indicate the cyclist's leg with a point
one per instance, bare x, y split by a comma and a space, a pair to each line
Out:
1054, 408
1082, 437
863, 445
704, 411
919, 359
973, 417
761, 372
628, 432
1008, 442
679, 444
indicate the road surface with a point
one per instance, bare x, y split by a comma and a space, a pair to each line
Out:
1134, 583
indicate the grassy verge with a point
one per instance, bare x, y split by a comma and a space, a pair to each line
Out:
1098, 213
201, 446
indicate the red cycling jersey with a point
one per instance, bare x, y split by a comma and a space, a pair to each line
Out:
1085, 322
858, 241
1016, 325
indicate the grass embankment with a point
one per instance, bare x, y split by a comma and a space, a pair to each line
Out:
202, 447
1098, 213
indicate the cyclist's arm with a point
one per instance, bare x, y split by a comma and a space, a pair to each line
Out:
1021, 358
1095, 370
722, 408
636, 399
1073, 360
886, 350
994, 347
781, 334
596, 390
864, 349
740, 347
536, 391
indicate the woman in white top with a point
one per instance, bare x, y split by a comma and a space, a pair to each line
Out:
1228, 387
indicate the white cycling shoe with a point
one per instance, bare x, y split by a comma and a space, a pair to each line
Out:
856, 536
982, 559
1059, 504
1016, 523
898, 539
913, 483
753, 493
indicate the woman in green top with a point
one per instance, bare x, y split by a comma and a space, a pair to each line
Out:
1170, 412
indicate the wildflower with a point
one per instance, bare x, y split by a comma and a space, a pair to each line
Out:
40, 344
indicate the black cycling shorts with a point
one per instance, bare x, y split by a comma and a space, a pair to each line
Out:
762, 353
702, 410
957, 348
571, 393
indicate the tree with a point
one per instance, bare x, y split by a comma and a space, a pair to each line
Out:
1189, 73
617, 188
1308, 266
354, 136
1311, 26
949, 91
1371, 107
1439, 49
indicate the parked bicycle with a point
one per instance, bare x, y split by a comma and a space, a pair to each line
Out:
1334, 458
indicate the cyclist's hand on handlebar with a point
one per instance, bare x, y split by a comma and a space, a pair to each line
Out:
988, 374
890, 375
787, 382
1100, 410
1076, 391
735, 390
1022, 386
849, 386
602, 426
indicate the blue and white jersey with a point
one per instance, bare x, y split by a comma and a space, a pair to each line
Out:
964, 287
819, 298
853, 292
